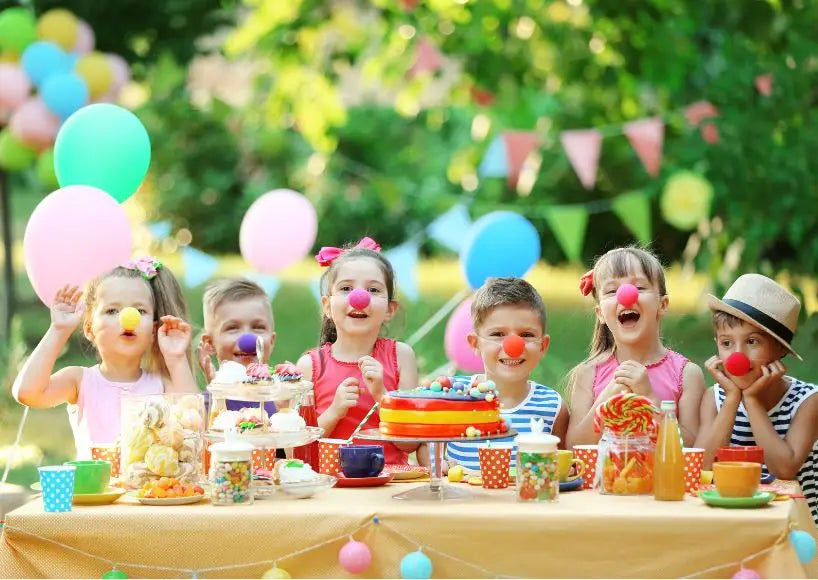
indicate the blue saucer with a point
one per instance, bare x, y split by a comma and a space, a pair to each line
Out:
769, 478
571, 485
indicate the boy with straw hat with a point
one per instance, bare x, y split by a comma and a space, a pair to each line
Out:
754, 402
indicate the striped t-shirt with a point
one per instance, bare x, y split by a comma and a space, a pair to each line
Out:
781, 417
542, 402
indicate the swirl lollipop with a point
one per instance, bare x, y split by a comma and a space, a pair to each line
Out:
625, 414
129, 318
513, 345
737, 364
359, 298
627, 295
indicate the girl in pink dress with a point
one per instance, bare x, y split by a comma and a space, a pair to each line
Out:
150, 359
627, 353
354, 367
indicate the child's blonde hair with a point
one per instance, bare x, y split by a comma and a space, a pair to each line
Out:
505, 292
226, 290
168, 300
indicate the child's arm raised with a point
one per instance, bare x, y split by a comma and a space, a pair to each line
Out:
716, 426
583, 406
174, 341
690, 402
35, 386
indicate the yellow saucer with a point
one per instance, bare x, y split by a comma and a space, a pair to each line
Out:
110, 495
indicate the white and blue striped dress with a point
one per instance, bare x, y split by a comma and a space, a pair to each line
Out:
542, 402
781, 416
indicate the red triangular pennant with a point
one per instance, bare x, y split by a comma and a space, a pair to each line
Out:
582, 148
764, 84
647, 137
481, 97
518, 145
427, 58
698, 112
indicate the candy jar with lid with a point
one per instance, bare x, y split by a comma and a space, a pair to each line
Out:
537, 464
231, 471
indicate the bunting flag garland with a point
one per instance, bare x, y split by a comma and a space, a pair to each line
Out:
582, 148
160, 230
199, 267
427, 58
634, 210
697, 115
647, 137
518, 145
764, 85
270, 284
404, 259
494, 163
450, 228
568, 222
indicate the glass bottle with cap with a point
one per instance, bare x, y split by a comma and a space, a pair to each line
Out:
537, 464
231, 471
669, 465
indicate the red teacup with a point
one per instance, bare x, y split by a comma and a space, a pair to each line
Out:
751, 453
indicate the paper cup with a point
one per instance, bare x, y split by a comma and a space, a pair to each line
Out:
494, 465
329, 456
57, 482
264, 459
108, 453
589, 455
694, 460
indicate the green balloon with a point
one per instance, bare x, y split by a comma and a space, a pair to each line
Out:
14, 156
104, 146
45, 169
115, 574
18, 29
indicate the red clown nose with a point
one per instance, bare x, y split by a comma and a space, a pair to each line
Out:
627, 295
513, 345
737, 364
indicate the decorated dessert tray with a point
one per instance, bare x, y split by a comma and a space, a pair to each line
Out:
258, 384
271, 440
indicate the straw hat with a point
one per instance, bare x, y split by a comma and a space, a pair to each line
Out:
763, 303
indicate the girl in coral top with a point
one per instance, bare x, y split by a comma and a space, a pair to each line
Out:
354, 366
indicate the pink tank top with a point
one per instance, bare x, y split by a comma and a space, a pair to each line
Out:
665, 375
328, 373
95, 416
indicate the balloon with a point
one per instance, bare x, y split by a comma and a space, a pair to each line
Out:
34, 125
686, 200
359, 298
96, 72
103, 146
747, 574
355, 557
85, 38
59, 251
627, 295
18, 29
276, 574
14, 86
455, 342
45, 169
42, 59
270, 249
65, 93
59, 26
501, 243
803, 544
416, 565
120, 70
14, 155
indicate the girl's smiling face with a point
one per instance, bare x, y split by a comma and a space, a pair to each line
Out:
104, 329
367, 274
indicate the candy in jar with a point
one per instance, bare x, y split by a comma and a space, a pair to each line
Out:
231, 472
537, 465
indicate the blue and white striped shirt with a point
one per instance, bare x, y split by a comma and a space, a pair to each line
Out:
542, 402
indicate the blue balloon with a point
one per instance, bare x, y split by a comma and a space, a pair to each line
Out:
416, 565
803, 544
64, 93
42, 59
501, 243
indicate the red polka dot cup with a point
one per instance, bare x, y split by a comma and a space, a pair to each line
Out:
264, 459
108, 453
589, 454
694, 461
494, 466
329, 456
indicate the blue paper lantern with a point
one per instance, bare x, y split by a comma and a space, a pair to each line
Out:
803, 544
42, 59
64, 93
416, 565
501, 243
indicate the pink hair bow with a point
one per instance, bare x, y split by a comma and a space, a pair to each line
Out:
328, 254
148, 266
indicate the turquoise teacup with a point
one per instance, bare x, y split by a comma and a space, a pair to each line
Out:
91, 476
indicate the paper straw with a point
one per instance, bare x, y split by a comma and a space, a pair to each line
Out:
362, 423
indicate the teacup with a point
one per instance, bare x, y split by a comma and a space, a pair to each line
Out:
91, 476
361, 460
566, 460
736, 478
751, 453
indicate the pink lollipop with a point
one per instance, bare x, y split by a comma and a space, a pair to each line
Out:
737, 364
513, 345
627, 295
359, 298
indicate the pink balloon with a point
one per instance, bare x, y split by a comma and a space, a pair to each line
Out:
14, 86
119, 66
455, 342
59, 251
85, 38
355, 557
34, 124
278, 230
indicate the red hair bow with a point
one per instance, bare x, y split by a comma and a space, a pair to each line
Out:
586, 283
327, 254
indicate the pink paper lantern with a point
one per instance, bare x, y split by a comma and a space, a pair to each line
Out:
85, 38
57, 251
355, 557
278, 230
34, 124
14, 86
747, 574
455, 342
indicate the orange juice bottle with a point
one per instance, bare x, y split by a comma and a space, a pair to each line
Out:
669, 465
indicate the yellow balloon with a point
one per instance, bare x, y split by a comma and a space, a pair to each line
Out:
60, 27
276, 574
95, 70
686, 200
9, 57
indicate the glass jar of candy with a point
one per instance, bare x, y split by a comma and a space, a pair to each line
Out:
625, 464
231, 472
537, 476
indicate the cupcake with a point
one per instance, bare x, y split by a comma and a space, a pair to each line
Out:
288, 372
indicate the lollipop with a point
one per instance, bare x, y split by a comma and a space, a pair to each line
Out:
625, 414
129, 318
247, 343
513, 345
627, 295
737, 364
359, 298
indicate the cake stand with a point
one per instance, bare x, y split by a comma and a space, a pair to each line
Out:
437, 489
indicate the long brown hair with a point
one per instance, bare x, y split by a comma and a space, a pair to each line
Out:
168, 299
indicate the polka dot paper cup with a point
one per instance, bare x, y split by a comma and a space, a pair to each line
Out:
494, 466
57, 482
329, 456
264, 459
694, 460
108, 453
589, 455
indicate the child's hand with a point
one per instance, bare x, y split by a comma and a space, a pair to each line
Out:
204, 352
173, 337
372, 371
346, 396
67, 308
610, 390
634, 376
716, 368
769, 374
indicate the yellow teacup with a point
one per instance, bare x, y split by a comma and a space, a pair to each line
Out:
565, 460
736, 478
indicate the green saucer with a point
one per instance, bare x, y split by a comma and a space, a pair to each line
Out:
712, 497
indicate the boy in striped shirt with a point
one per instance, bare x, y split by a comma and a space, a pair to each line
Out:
501, 308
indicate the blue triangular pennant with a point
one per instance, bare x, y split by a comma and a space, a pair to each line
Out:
404, 259
495, 159
450, 228
315, 289
160, 230
270, 284
199, 267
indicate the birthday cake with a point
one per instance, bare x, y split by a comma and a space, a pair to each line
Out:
443, 408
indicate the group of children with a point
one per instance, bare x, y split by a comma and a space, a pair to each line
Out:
354, 366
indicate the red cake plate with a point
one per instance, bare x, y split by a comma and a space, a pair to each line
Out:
437, 489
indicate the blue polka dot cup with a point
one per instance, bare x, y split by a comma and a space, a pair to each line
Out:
57, 482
